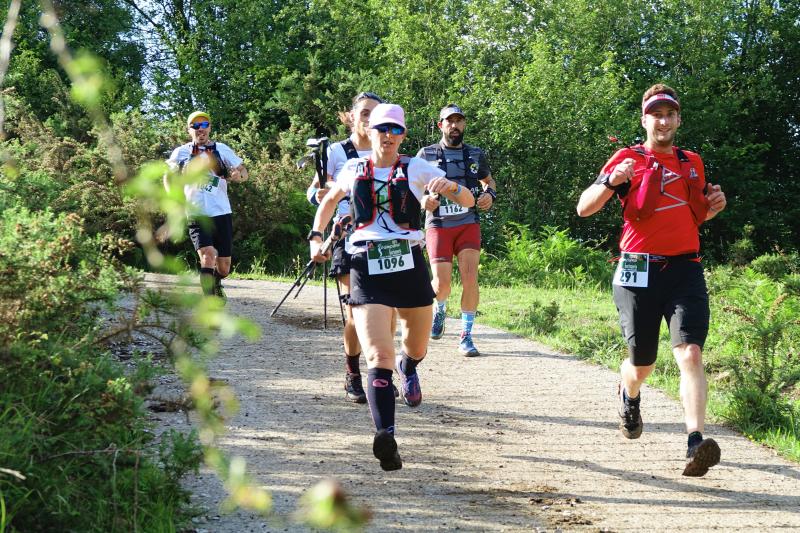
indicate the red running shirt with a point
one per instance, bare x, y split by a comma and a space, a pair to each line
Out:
670, 231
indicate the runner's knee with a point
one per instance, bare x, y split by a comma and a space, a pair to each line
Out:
689, 356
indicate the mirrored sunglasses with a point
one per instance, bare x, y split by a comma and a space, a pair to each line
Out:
394, 129
198, 125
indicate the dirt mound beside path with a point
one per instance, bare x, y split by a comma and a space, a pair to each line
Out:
520, 439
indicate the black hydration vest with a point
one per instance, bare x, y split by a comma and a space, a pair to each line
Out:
349, 148
402, 205
436, 153
216, 165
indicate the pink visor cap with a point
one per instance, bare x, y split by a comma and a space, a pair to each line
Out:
387, 114
658, 99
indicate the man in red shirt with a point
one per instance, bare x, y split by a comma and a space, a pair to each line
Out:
665, 200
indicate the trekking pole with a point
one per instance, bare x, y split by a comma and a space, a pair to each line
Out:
309, 268
325, 295
308, 271
341, 304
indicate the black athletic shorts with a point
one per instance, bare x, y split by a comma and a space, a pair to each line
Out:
407, 288
677, 293
340, 260
217, 232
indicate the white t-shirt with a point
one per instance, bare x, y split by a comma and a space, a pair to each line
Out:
337, 157
209, 199
383, 228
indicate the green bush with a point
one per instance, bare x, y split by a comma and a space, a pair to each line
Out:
756, 338
71, 423
553, 260
777, 266
540, 318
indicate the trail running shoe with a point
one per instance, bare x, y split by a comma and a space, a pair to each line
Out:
466, 347
353, 389
630, 418
701, 457
410, 390
219, 292
384, 447
437, 330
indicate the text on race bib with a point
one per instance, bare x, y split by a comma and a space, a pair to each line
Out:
448, 208
632, 270
385, 257
213, 182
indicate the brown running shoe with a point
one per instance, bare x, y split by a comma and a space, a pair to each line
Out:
701, 457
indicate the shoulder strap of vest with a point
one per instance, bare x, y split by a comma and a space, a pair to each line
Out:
639, 149
432, 153
223, 168
349, 148
682, 157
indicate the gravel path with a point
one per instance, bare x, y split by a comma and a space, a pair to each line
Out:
520, 439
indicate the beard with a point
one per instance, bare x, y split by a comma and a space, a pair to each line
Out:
454, 138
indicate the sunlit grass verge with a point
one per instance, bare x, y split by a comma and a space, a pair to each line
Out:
587, 325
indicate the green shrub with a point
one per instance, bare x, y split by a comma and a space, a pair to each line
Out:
758, 338
542, 319
777, 266
71, 423
553, 260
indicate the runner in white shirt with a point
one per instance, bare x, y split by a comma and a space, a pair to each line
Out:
213, 242
388, 269
356, 146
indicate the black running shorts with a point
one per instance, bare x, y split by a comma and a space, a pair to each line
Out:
340, 260
407, 288
677, 293
216, 232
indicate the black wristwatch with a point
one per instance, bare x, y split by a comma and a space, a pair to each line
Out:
491, 192
312, 234
606, 182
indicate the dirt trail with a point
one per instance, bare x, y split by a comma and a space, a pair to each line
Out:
520, 439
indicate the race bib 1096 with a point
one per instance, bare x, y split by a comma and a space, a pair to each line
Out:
384, 257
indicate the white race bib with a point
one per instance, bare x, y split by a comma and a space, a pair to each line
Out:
384, 257
448, 208
632, 270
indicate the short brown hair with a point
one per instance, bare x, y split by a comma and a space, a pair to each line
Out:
660, 88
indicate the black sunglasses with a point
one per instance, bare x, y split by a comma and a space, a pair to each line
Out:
394, 129
198, 125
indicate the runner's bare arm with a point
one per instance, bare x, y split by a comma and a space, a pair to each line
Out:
315, 191
238, 174
596, 195
324, 214
452, 190
430, 202
716, 200
485, 200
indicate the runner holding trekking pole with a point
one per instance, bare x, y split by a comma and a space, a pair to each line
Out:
453, 230
356, 146
387, 268
665, 199
213, 241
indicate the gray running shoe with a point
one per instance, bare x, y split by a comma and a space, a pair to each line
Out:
354, 390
